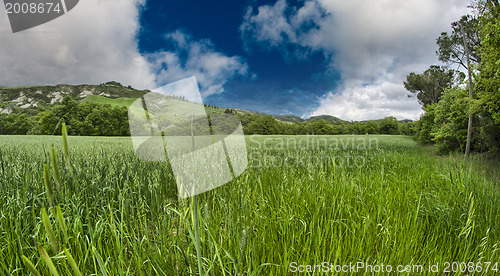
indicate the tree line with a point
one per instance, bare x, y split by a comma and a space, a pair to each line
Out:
95, 119
267, 124
82, 119
444, 92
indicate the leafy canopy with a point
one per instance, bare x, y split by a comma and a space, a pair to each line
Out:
430, 85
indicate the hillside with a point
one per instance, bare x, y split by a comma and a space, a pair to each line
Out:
289, 118
31, 97
327, 118
26, 98
102, 110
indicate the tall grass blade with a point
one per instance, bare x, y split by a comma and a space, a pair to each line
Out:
57, 176
30, 266
48, 186
99, 262
197, 242
72, 263
400, 205
49, 263
62, 224
242, 245
470, 223
65, 140
65, 146
50, 232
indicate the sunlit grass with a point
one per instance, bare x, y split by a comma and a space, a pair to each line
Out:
117, 215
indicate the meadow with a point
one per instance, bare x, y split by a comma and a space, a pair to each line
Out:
95, 209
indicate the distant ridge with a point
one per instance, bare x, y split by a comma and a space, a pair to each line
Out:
113, 93
327, 118
297, 119
289, 118
19, 98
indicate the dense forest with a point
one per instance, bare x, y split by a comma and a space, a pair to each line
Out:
95, 119
82, 118
451, 99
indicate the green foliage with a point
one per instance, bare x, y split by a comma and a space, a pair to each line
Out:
452, 116
103, 116
30, 266
258, 124
446, 121
408, 128
125, 217
229, 111
43, 95
113, 83
451, 47
327, 118
367, 127
488, 82
113, 102
389, 125
15, 123
86, 119
430, 85
263, 125
320, 127
426, 124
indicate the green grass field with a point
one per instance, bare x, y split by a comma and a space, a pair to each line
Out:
336, 199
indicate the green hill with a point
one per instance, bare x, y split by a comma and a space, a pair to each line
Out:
106, 109
327, 118
26, 98
21, 98
34, 97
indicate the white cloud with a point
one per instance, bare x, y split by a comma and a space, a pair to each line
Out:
373, 44
196, 58
270, 24
359, 101
97, 42
272, 27
93, 43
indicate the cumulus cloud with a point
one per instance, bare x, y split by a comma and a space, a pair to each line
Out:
279, 24
197, 58
359, 101
93, 43
97, 42
373, 44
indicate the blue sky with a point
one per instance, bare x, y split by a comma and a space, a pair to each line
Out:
275, 82
310, 57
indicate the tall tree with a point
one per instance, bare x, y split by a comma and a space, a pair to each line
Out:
469, 69
451, 47
462, 47
488, 81
430, 85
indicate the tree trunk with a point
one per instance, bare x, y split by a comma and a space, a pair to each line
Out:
469, 128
